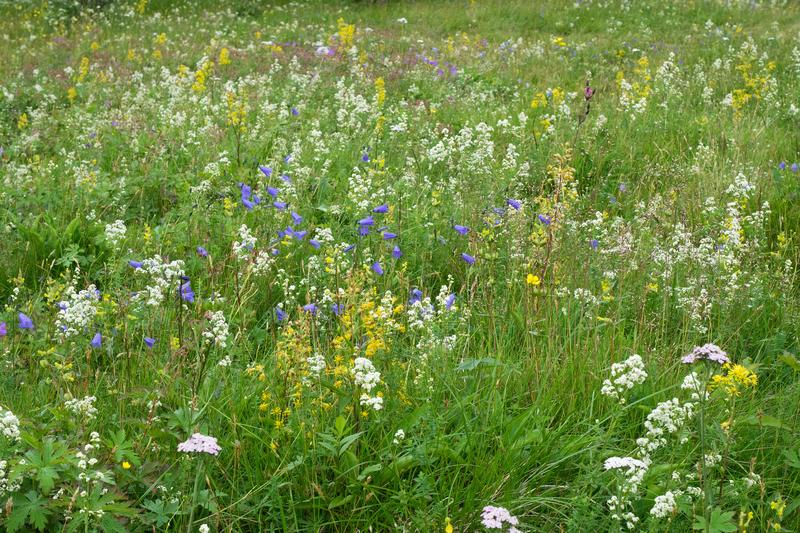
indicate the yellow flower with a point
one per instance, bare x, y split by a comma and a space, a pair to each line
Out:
22, 121
380, 91
72, 93
533, 279
559, 41
448, 527
126, 465
224, 57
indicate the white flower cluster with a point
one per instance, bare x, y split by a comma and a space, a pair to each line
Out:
245, 244
82, 407
666, 418
367, 378
217, 331
624, 376
316, 364
8, 485
9, 425
664, 505
77, 310
165, 277
115, 233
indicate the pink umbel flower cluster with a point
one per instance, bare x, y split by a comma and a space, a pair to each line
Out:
712, 352
199, 443
496, 517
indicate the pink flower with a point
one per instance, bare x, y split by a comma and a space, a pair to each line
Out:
201, 444
494, 517
712, 352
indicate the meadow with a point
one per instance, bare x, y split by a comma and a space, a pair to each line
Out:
349, 266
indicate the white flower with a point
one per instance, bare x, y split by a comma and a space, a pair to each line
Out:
664, 505
624, 376
399, 435
365, 374
217, 332
115, 233
9, 426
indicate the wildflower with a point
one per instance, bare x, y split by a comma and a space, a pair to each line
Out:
387, 235
516, 204
126, 465
9, 427
280, 314
384, 208
265, 170
3, 329
711, 352
468, 259
199, 443
295, 112
737, 377
782, 165
624, 376
187, 294
416, 296
594, 243
97, 340
448, 527
462, 230
203, 528
367, 221
449, 301
396, 253
534, 280
364, 374
202, 252
544, 220
311, 308
365, 157
149, 341
495, 517
795, 168
25, 321
224, 57
296, 218
135, 264
399, 435
272, 191
376, 267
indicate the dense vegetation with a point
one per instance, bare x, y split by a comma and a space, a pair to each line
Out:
417, 266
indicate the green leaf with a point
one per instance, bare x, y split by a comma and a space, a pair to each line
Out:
790, 360
339, 501
718, 522
766, 421
31, 508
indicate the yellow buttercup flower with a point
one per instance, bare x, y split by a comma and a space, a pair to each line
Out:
533, 280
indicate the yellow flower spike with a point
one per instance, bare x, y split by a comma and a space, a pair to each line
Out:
224, 57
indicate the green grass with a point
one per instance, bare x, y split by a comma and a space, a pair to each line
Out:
499, 391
